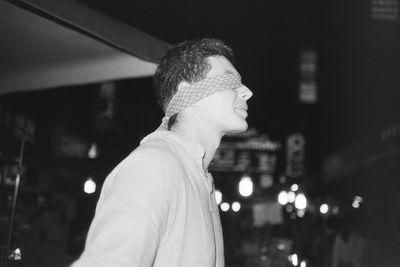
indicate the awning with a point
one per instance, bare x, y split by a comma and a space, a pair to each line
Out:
53, 43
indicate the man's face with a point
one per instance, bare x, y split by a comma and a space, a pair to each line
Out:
225, 111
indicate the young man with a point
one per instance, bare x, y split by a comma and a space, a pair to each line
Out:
157, 207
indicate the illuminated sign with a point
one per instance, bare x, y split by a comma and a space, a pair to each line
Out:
308, 72
295, 155
385, 9
252, 154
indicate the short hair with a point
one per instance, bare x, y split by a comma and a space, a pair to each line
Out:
186, 61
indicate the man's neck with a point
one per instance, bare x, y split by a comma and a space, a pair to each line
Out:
209, 140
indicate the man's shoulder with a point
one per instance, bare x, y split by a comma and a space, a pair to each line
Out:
155, 149
156, 154
155, 160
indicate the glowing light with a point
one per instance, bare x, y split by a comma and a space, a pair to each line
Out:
294, 259
266, 180
92, 153
301, 213
281, 246
335, 210
218, 196
357, 200
291, 196
236, 206
224, 206
324, 208
16, 254
303, 264
294, 187
246, 186
283, 198
300, 201
89, 186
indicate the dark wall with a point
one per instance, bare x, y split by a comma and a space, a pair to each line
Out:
359, 73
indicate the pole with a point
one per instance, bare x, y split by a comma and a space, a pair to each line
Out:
14, 204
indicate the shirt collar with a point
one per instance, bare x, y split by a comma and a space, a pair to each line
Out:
194, 149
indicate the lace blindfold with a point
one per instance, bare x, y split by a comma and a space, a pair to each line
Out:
189, 95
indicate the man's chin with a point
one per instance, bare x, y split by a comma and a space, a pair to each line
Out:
237, 130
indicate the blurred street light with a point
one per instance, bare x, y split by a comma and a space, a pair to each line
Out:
291, 196
283, 198
300, 201
246, 186
89, 186
236, 206
294, 187
324, 208
224, 206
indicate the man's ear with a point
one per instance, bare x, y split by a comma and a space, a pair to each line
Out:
183, 84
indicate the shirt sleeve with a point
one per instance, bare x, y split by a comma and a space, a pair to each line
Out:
130, 217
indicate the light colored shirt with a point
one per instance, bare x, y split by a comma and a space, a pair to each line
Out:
157, 208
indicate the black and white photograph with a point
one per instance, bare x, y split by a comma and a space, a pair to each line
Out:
213, 133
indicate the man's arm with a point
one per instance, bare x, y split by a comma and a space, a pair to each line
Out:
130, 220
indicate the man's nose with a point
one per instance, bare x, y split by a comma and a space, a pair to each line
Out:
245, 93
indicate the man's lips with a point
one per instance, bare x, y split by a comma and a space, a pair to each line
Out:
242, 111
243, 107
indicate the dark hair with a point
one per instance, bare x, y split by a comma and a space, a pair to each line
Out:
186, 61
